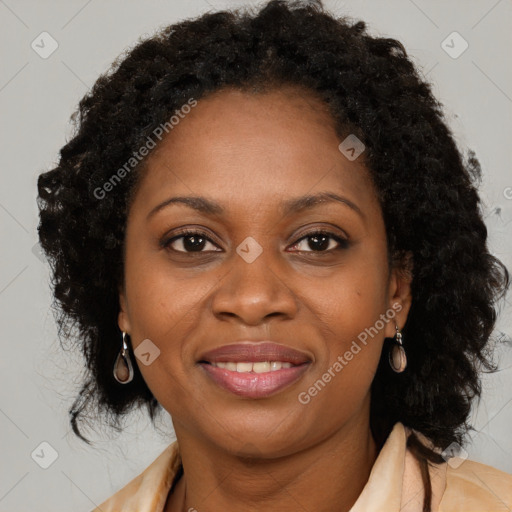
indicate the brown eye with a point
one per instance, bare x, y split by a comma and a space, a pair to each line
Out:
190, 241
322, 241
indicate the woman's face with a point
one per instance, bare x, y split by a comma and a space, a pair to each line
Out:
251, 273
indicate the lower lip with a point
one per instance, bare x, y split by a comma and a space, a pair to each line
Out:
255, 385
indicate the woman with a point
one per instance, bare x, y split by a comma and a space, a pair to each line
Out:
264, 227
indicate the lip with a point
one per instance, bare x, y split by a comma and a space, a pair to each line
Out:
255, 352
255, 385
249, 384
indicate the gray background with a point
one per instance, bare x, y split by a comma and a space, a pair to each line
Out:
38, 380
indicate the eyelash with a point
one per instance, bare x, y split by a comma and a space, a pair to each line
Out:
343, 243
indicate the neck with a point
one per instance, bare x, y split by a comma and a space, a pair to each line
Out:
327, 476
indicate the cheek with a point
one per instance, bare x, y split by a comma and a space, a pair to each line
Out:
351, 299
163, 309
349, 312
347, 366
161, 302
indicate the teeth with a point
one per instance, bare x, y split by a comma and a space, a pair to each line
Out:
259, 367
243, 367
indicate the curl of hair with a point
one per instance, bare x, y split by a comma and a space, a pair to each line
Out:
426, 188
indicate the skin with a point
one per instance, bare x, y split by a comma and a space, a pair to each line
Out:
250, 152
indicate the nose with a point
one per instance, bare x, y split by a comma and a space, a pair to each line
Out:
254, 292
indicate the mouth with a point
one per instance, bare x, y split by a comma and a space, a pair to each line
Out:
254, 370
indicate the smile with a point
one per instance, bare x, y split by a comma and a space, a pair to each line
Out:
254, 369
257, 367
254, 380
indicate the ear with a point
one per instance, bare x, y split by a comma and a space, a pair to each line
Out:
123, 319
400, 297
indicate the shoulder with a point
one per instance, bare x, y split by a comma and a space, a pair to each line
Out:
472, 486
148, 491
468, 486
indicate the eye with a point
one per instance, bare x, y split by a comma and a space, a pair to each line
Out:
195, 241
320, 241
189, 240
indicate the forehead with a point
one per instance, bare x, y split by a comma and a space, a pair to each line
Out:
247, 149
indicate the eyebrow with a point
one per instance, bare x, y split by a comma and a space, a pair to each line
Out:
209, 207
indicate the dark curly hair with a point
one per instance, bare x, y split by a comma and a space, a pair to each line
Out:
426, 188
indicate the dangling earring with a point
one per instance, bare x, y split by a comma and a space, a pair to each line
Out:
397, 357
123, 369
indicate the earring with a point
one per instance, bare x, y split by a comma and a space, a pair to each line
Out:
123, 368
397, 357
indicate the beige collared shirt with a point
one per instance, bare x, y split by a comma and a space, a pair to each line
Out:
394, 484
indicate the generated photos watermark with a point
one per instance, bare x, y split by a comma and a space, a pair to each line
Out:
305, 397
143, 151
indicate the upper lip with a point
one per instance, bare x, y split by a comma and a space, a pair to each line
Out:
248, 351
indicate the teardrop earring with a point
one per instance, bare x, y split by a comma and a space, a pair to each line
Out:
397, 357
123, 368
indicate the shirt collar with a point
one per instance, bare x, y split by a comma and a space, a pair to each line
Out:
384, 487
394, 484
